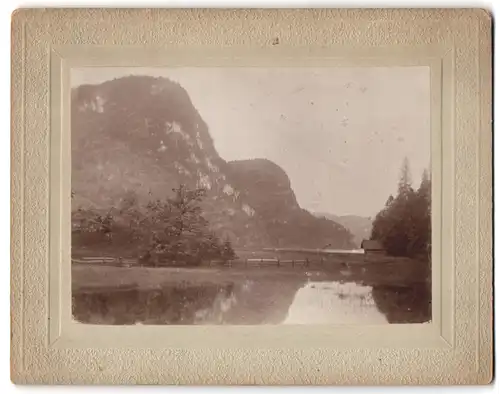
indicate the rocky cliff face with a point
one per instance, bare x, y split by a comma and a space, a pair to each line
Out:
265, 185
142, 136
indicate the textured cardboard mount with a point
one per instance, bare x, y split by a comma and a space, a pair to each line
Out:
456, 348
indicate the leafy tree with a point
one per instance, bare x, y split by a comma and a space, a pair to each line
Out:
91, 227
102, 224
177, 230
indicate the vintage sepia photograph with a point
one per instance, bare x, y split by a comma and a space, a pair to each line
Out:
311, 205
251, 195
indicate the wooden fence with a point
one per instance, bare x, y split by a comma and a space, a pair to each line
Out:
267, 262
250, 262
111, 261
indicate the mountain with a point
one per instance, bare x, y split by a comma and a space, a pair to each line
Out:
138, 137
265, 185
359, 226
267, 188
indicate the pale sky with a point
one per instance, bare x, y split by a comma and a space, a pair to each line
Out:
340, 134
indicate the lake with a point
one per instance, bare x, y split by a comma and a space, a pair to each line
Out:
334, 303
356, 251
353, 295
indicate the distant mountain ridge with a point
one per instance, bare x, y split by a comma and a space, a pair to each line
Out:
142, 136
359, 226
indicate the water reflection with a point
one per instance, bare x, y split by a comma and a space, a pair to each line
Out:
334, 303
216, 313
309, 299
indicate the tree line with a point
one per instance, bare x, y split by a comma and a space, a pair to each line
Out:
170, 231
403, 226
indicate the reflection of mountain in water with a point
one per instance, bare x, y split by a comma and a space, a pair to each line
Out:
254, 302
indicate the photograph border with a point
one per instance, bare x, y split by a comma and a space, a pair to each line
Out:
455, 348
